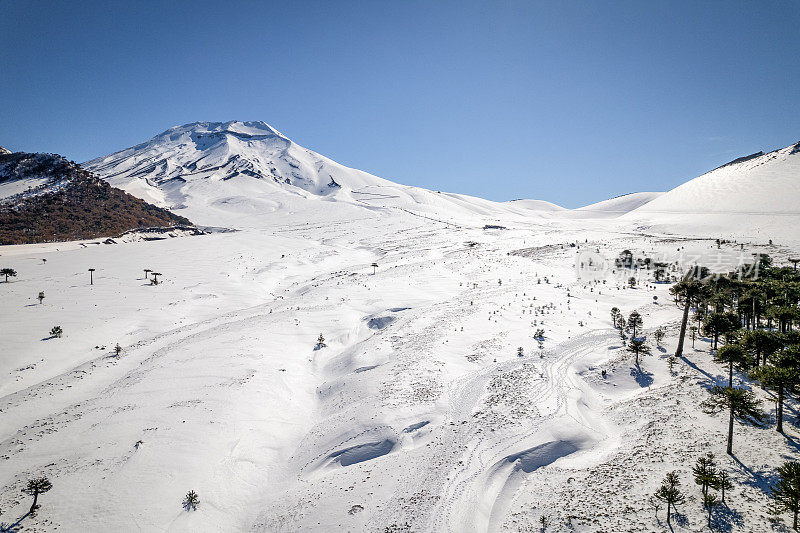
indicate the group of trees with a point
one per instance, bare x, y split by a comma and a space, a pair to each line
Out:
750, 318
633, 324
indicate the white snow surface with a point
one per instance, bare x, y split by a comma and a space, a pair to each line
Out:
416, 415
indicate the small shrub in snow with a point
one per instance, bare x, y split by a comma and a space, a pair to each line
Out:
56, 332
191, 501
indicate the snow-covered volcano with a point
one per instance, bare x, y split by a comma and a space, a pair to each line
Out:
227, 150
221, 171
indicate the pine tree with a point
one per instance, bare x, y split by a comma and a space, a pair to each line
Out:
786, 493
321, 341
40, 297
56, 331
117, 350
670, 493
34, 488
520, 352
191, 501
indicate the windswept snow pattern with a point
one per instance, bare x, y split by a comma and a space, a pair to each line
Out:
417, 414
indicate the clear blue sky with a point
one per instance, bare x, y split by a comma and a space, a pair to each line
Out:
571, 102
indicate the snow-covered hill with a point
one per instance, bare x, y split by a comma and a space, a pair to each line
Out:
617, 206
222, 171
756, 195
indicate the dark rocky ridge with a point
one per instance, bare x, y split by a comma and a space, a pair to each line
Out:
68, 203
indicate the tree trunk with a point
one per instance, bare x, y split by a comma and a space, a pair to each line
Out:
780, 408
730, 434
668, 509
730, 375
679, 351
33, 506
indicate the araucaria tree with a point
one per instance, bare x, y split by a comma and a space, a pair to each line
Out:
705, 472
669, 493
56, 332
634, 321
34, 488
786, 493
741, 404
8, 272
781, 375
615, 315
685, 292
191, 501
731, 354
659, 335
637, 346
321, 341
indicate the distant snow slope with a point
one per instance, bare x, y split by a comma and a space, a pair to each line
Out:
617, 206
221, 170
757, 195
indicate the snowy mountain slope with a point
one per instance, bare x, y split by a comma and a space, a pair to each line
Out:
756, 195
220, 170
616, 206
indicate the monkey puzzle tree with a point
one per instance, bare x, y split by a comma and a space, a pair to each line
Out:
638, 346
761, 344
741, 404
34, 488
56, 332
40, 297
731, 354
8, 272
191, 501
670, 493
705, 472
717, 324
783, 374
786, 492
686, 291
659, 335
635, 321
